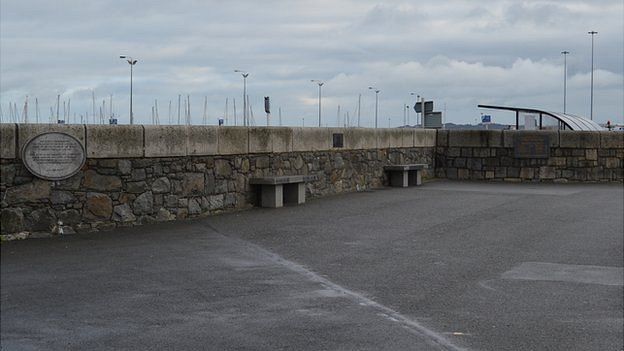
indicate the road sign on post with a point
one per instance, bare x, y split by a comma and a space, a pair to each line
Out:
267, 109
428, 107
267, 105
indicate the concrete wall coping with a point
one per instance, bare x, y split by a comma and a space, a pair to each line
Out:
505, 138
133, 141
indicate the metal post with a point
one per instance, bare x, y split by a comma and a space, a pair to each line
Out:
245, 104
131, 114
319, 111
376, 103
359, 106
422, 112
376, 107
404, 116
320, 84
565, 77
131, 61
407, 107
591, 98
245, 121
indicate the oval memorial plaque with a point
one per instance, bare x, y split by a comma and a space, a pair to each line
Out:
53, 156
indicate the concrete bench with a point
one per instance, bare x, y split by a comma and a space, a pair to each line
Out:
405, 175
276, 191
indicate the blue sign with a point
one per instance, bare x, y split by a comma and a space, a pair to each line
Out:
486, 119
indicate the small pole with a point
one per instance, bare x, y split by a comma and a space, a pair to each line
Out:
234, 105
179, 103
404, 114
591, 98
359, 105
565, 77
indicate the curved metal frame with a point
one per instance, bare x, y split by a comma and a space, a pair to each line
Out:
570, 121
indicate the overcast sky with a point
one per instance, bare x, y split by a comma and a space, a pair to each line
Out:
457, 53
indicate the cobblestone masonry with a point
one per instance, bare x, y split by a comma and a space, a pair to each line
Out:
143, 174
121, 192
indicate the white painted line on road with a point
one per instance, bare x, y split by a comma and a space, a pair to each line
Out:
435, 339
567, 273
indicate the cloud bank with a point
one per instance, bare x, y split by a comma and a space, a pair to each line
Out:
457, 53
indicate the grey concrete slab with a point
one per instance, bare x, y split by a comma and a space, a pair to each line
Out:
566, 273
397, 269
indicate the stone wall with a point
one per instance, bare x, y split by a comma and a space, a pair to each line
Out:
489, 155
142, 174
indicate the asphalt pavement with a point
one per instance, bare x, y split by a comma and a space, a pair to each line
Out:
444, 266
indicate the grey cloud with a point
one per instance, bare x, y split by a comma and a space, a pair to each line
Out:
457, 51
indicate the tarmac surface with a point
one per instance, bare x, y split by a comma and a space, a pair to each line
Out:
444, 266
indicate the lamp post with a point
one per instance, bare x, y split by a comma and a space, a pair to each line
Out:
132, 62
412, 94
376, 103
245, 75
320, 84
591, 95
565, 77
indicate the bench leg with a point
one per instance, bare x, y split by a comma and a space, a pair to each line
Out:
415, 178
294, 193
399, 179
272, 196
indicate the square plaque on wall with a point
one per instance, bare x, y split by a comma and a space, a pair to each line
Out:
531, 145
338, 140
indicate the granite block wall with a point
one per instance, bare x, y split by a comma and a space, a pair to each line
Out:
490, 155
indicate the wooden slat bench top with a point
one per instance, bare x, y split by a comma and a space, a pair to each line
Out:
409, 167
275, 180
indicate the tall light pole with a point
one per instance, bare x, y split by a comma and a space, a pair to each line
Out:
591, 95
376, 103
245, 75
320, 84
412, 94
132, 62
565, 77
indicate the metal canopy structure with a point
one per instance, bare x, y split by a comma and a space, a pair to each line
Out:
566, 120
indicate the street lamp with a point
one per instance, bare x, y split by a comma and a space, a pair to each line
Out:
376, 103
132, 62
565, 77
591, 98
412, 94
245, 75
320, 84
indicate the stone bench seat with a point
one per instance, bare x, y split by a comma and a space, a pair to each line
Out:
405, 175
275, 191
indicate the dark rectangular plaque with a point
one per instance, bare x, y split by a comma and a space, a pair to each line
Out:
338, 140
531, 145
